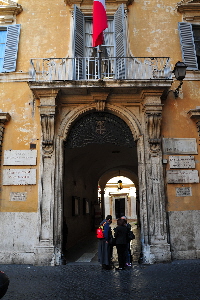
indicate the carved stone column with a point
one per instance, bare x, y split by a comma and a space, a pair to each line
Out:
156, 247
45, 250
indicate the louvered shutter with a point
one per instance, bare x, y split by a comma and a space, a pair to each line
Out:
187, 45
11, 48
78, 43
120, 42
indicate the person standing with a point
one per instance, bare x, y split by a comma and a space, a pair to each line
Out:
121, 237
128, 250
104, 250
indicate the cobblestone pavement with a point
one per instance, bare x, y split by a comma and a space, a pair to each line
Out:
83, 278
172, 281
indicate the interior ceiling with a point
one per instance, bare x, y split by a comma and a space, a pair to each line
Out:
104, 161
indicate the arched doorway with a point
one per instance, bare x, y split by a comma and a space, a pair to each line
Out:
97, 142
119, 197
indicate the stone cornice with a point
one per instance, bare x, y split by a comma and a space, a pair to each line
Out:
8, 11
189, 6
109, 3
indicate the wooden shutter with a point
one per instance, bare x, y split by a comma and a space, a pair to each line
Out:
120, 40
78, 42
11, 48
187, 45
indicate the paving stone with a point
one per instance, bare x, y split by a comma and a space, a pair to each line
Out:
170, 281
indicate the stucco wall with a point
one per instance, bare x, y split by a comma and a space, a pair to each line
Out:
46, 31
18, 237
184, 234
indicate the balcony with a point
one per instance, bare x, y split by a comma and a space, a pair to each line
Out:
94, 69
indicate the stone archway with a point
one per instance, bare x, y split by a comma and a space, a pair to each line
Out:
146, 133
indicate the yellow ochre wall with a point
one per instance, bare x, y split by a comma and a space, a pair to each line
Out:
46, 32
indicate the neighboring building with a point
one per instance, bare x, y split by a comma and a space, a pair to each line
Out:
72, 116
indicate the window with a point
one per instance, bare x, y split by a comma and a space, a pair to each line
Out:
196, 34
112, 52
9, 39
190, 44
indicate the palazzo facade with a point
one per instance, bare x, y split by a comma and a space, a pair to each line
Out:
72, 116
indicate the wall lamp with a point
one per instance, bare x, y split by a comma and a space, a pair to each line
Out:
119, 185
179, 72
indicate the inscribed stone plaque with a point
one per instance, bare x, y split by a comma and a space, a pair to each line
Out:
18, 196
182, 176
181, 162
183, 191
179, 146
19, 176
20, 157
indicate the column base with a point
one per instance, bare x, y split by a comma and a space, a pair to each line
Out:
44, 256
156, 253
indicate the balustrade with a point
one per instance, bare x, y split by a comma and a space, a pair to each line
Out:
94, 68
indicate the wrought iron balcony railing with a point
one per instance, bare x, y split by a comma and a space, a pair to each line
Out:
93, 68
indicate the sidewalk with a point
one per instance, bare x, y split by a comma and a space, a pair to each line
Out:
171, 281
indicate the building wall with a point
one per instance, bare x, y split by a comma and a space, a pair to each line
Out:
46, 31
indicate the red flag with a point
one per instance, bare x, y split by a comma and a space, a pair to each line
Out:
99, 22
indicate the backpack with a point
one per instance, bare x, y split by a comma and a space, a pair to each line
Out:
99, 233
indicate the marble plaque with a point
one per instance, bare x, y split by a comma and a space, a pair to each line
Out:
179, 146
19, 176
18, 196
181, 162
183, 191
20, 157
182, 176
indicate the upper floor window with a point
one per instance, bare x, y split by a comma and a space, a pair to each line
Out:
87, 57
190, 44
196, 34
9, 39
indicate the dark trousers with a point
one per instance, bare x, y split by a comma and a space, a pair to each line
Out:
121, 251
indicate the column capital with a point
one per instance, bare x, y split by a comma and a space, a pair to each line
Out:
46, 95
152, 108
153, 114
152, 96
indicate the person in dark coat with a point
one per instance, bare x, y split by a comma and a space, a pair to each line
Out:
128, 250
104, 251
121, 238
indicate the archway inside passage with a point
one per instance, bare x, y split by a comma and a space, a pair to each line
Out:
97, 143
120, 197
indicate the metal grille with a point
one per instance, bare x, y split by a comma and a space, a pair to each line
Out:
100, 128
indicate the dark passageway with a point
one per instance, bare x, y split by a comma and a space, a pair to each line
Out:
98, 143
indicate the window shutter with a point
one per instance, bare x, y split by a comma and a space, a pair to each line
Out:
11, 48
78, 46
120, 40
187, 45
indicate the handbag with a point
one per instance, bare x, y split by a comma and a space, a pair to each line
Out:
131, 235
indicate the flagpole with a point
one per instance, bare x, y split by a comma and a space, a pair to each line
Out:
99, 62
